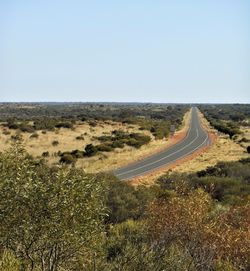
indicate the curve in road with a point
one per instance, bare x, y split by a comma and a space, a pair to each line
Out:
195, 139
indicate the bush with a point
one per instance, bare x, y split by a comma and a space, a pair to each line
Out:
77, 153
6, 132
92, 123
248, 149
80, 137
34, 135
117, 144
45, 154
90, 150
137, 140
68, 125
67, 159
127, 202
104, 148
55, 143
26, 128
55, 212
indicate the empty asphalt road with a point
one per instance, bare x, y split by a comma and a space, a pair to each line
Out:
196, 138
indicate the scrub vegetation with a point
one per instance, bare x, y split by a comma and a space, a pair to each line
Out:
55, 216
76, 133
60, 218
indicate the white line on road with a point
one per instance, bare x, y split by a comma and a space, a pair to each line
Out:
141, 174
152, 163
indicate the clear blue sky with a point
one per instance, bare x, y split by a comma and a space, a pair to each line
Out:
146, 51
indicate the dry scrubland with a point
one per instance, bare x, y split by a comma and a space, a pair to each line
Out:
104, 161
222, 149
122, 157
65, 137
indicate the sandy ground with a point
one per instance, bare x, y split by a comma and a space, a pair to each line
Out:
104, 161
66, 138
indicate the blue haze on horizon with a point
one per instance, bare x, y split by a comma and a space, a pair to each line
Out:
126, 51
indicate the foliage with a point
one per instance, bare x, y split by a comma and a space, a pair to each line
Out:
206, 234
227, 118
61, 219
127, 202
90, 150
48, 215
67, 159
8, 261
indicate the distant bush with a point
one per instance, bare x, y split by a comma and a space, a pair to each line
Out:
45, 154
104, 148
90, 150
137, 140
34, 135
64, 125
117, 144
6, 132
80, 137
92, 123
119, 138
16, 137
55, 143
26, 128
244, 140
77, 154
67, 159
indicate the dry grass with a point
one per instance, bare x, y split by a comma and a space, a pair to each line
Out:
246, 135
101, 162
122, 157
66, 138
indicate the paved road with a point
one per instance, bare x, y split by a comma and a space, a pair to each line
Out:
195, 139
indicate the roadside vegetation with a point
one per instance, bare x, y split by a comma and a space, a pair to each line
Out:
80, 133
62, 219
232, 120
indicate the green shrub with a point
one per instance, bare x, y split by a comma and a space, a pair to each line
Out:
90, 150
127, 202
117, 144
104, 148
55, 212
8, 261
137, 140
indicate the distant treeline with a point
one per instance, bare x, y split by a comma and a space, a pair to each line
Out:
227, 118
157, 118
